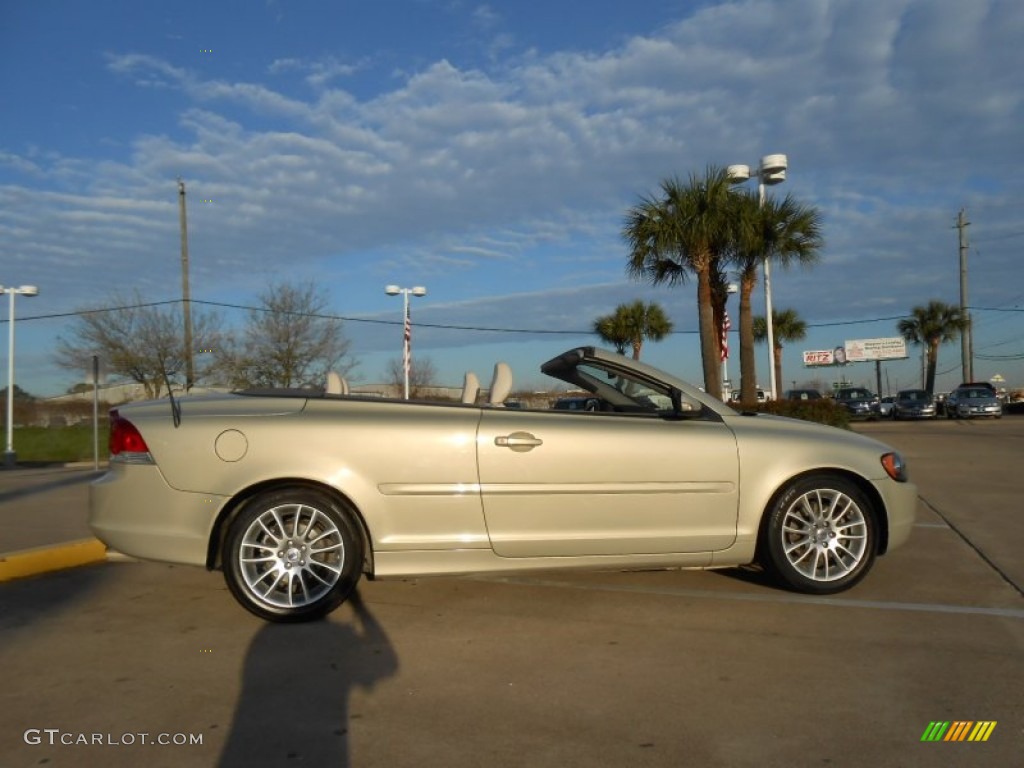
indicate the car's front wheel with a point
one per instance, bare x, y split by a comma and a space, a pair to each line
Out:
821, 535
292, 554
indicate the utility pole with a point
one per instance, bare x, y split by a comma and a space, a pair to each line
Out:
967, 334
186, 298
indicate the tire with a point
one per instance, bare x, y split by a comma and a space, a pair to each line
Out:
820, 536
292, 554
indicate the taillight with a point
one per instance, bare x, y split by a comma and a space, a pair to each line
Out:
126, 443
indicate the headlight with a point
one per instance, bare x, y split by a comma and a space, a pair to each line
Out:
895, 467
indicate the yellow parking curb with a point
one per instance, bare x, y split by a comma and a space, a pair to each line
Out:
30, 562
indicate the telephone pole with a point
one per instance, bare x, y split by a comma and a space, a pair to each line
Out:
186, 299
967, 334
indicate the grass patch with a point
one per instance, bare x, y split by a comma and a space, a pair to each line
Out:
59, 444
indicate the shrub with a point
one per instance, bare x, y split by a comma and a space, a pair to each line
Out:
824, 411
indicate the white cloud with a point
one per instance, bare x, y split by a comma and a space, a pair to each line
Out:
893, 114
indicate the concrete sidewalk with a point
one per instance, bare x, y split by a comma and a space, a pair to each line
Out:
43, 520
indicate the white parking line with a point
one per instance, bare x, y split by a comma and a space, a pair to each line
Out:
794, 599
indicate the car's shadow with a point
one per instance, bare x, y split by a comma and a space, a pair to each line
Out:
296, 686
749, 574
26, 601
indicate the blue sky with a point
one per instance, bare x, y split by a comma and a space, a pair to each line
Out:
489, 151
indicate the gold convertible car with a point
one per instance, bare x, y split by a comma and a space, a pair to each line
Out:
295, 494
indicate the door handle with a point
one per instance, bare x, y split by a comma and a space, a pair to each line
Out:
518, 441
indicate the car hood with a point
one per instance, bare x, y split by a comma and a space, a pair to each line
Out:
763, 425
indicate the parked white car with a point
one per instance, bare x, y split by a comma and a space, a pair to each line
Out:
296, 494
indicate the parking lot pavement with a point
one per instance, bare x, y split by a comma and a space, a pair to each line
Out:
966, 471
43, 521
661, 668
43, 506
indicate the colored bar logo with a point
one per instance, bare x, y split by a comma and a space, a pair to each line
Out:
959, 730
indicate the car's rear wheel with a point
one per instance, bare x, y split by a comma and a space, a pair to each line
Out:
292, 555
821, 535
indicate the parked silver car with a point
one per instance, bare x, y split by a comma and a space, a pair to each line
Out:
885, 406
913, 404
296, 494
965, 402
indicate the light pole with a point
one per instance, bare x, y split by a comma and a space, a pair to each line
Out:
10, 458
731, 288
394, 290
772, 170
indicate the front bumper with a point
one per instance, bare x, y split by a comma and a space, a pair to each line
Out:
134, 511
900, 500
862, 412
967, 411
918, 414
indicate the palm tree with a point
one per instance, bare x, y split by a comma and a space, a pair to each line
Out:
613, 329
930, 326
632, 324
785, 232
688, 229
786, 326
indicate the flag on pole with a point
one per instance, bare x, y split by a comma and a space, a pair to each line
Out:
726, 327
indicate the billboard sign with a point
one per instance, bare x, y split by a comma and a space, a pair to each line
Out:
819, 357
869, 350
858, 351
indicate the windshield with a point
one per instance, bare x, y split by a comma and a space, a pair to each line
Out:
974, 394
853, 394
624, 386
644, 395
913, 394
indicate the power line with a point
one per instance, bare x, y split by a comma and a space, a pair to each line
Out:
440, 326
96, 311
996, 238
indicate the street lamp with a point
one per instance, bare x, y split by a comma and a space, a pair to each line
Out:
730, 289
394, 290
772, 170
10, 458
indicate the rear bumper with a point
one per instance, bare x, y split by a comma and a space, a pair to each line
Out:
134, 511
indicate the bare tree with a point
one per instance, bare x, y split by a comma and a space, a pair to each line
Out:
422, 375
290, 340
137, 341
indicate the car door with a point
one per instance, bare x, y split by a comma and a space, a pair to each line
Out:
563, 484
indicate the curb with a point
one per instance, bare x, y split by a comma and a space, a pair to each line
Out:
32, 562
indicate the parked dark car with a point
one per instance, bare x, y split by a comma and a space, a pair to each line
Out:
913, 404
859, 402
979, 385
